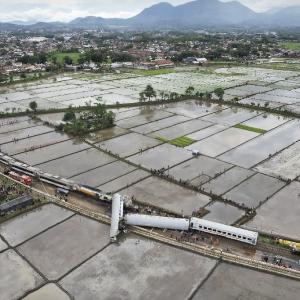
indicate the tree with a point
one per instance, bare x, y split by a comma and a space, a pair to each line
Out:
23, 76
189, 91
69, 115
33, 106
220, 93
149, 92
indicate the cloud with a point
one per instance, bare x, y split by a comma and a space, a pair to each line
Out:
66, 10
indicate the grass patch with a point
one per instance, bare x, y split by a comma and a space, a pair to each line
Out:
294, 46
249, 128
61, 55
182, 141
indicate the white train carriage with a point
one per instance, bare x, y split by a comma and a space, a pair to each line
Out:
116, 216
230, 232
157, 222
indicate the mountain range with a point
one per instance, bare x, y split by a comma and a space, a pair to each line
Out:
194, 14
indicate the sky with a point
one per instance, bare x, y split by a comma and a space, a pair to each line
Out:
66, 10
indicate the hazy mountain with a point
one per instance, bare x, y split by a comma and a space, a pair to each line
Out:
195, 14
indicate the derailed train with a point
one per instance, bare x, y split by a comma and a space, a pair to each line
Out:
119, 220
118, 202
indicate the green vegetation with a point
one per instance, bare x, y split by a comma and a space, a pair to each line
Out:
249, 128
70, 57
294, 46
219, 93
182, 142
96, 119
33, 106
147, 93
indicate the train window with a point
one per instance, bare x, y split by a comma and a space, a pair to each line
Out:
244, 237
224, 232
214, 230
249, 239
228, 233
205, 227
200, 226
219, 231
209, 228
234, 235
239, 236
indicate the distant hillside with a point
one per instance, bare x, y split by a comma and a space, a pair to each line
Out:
195, 14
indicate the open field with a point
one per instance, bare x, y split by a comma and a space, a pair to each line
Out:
290, 46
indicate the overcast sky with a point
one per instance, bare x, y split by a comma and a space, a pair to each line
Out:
65, 10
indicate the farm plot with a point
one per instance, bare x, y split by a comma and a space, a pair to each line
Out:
181, 129
231, 116
76, 163
227, 180
162, 156
23, 133
14, 269
18, 230
223, 141
266, 121
61, 248
253, 101
124, 181
51, 152
105, 134
280, 214
114, 98
32, 143
128, 144
285, 164
169, 196
104, 174
254, 191
134, 265
10, 107
41, 104
145, 116
199, 169
257, 150
48, 290
9, 126
194, 108
223, 213
206, 132
158, 125
247, 90
230, 281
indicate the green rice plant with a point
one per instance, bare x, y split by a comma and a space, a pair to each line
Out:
182, 141
249, 128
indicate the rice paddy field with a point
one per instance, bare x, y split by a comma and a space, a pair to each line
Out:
248, 159
247, 156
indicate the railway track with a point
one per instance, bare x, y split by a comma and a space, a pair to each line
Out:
277, 250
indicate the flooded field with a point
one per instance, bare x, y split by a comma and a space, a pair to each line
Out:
76, 163
51, 152
134, 264
17, 271
258, 149
128, 144
124, 181
223, 213
223, 141
281, 213
105, 174
64, 246
227, 180
167, 195
228, 281
201, 167
162, 156
248, 194
285, 164
20, 229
